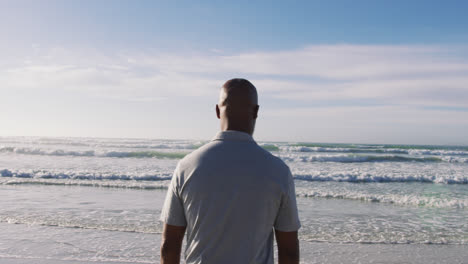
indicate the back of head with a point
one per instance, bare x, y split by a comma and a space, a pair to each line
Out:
239, 92
238, 106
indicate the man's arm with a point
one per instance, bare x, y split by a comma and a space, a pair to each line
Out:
288, 247
171, 244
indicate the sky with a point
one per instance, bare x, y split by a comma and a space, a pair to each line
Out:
390, 72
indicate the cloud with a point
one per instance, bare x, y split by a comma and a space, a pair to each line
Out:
409, 75
329, 93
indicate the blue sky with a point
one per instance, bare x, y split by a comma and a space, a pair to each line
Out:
326, 71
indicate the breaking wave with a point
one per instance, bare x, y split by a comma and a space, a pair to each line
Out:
337, 177
94, 153
398, 199
349, 158
368, 178
435, 152
82, 175
321, 193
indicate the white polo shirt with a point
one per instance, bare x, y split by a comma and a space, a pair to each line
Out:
231, 194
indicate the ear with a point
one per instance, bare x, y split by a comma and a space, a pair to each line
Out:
256, 111
218, 113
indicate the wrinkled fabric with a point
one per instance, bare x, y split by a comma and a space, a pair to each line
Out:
231, 194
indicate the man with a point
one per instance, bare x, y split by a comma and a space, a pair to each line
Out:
231, 194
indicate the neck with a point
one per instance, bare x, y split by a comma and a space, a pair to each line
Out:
236, 127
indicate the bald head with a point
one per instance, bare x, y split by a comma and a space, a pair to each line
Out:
238, 106
238, 93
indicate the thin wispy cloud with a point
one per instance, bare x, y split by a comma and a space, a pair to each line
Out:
409, 75
401, 93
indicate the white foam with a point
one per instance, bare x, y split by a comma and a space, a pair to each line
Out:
363, 177
349, 158
83, 175
415, 152
122, 184
399, 199
93, 153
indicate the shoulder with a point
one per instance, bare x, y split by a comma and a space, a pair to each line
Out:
276, 169
275, 161
193, 158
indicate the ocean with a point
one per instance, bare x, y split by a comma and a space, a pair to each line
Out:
99, 199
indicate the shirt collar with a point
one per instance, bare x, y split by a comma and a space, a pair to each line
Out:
233, 135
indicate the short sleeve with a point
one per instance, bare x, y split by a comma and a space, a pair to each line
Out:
287, 219
172, 212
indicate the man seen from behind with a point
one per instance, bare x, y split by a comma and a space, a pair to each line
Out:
231, 196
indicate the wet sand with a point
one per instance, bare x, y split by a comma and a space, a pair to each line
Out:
55, 245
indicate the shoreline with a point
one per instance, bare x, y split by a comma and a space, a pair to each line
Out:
318, 253
34, 239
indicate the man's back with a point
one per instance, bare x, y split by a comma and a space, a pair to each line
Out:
230, 194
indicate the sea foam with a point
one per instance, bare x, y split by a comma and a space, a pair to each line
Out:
351, 158
93, 153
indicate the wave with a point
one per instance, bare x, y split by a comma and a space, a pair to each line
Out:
338, 150
323, 235
398, 199
144, 154
379, 146
351, 158
270, 147
44, 174
163, 176
150, 146
105, 143
416, 152
109, 153
81, 224
94, 153
391, 242
154, 227
368, 178
120, 184
425, 147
